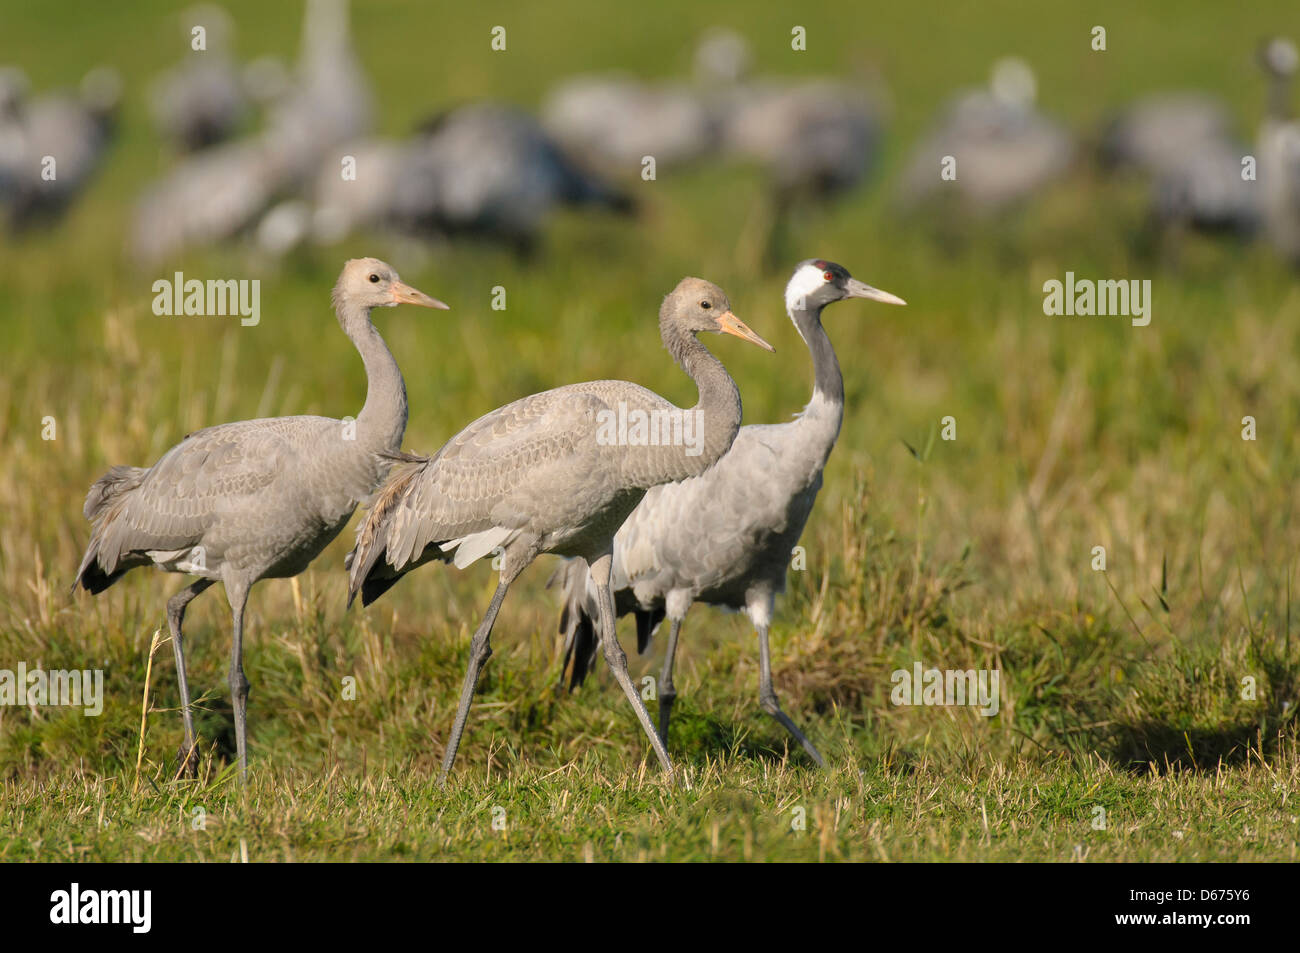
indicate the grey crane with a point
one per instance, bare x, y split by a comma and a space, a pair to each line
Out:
1206, 192
725, 537
490, 170
554, 473
1157, 133
1184, 143
815, 140
613, 121
330, 101
258, 499
483, 170
1279, 152
219, 193
201, 101
52, 145
13, 144
210, 197
1005, 149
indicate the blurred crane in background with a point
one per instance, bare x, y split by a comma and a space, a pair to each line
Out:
220, 193
201, 100
52, 145
1279, 151
1001, 149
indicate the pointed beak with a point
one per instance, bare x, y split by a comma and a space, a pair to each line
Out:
857, 289
728, 323
405, 294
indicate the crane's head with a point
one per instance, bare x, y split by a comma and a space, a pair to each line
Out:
817, 282
370, 283
1279, 57
696, 305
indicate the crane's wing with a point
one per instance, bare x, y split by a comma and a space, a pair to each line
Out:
168, 507
521, 467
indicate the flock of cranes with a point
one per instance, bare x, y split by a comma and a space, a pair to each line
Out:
646, 529
260, 499
257, 149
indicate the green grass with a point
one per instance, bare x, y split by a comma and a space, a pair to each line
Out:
1120, 690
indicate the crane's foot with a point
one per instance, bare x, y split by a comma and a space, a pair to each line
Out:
773, 708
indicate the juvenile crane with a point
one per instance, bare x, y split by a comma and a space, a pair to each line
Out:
725, 537
258, 499
550, 474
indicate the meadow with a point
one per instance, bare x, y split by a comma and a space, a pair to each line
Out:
1121, 690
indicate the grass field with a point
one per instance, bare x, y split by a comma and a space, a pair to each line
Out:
1120, 690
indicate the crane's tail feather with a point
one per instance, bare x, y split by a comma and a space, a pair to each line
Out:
579, 615
370, 572
577, 624
110, 487
647, 620
92, 577
101, 509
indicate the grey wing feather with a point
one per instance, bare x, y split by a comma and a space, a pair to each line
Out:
169, 506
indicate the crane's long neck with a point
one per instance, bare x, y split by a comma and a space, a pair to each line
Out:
825, 412
716, 414
1279, 94
382, 421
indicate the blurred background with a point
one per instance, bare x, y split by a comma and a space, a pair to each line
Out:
519, 169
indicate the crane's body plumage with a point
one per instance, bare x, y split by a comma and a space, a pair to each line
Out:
724, 538
532, 470
257, 497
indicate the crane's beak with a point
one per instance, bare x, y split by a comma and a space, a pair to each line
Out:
728, 323
857, 289
405, 294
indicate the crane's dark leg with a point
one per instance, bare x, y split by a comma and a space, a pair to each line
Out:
237, 594
617, 659
479, 652
187, 757
767, 697
667, 693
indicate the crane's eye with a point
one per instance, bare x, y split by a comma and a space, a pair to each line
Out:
374, 279
705, 305
828, 275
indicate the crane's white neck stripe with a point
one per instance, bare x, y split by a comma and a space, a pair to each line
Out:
804, 282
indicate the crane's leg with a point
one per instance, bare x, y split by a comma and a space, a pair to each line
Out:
188, 756
767, 697
617, 659
479, 652
667, 693
237, 594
